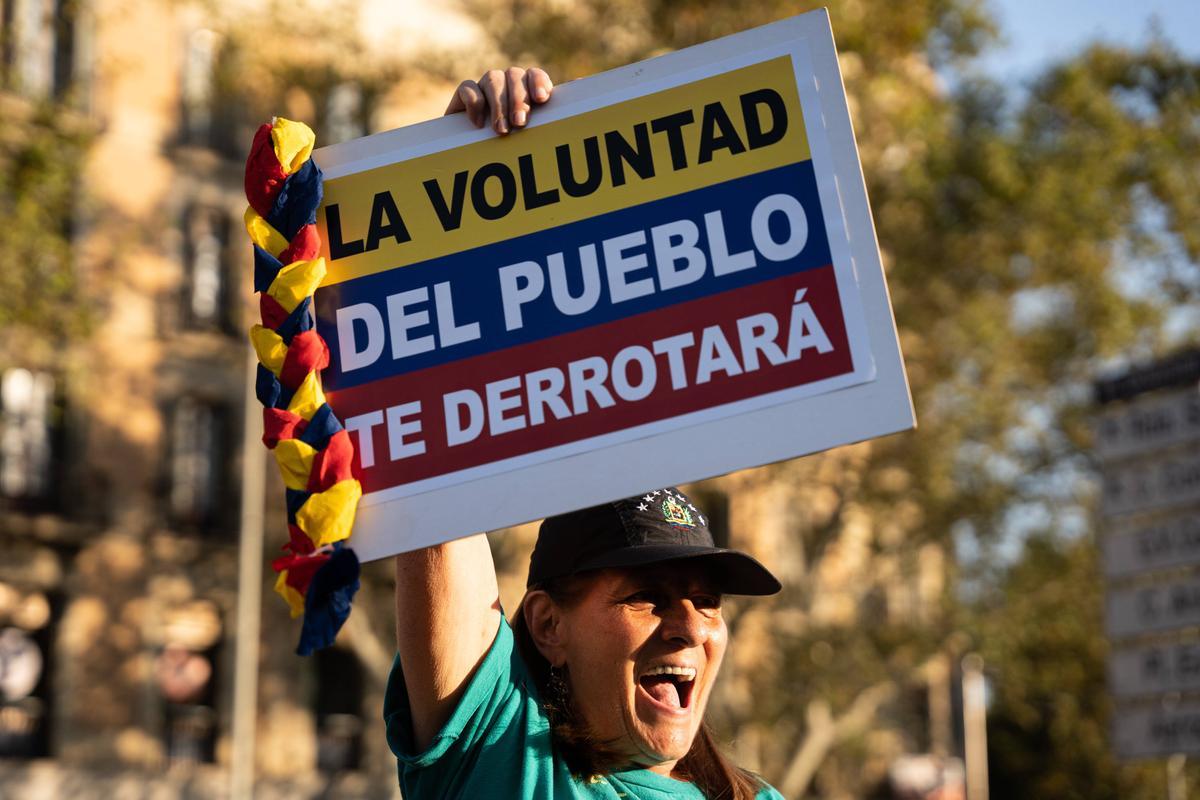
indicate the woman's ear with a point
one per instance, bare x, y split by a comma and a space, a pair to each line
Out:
544, 619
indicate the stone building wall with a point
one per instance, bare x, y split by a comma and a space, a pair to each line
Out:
124, 574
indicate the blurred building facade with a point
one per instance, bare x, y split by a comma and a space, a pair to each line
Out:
120, 472
120, 450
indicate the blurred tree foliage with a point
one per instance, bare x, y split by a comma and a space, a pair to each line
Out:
1030, 234
41, 155
319, 68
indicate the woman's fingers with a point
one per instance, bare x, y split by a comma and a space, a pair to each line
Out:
468, 97
503, 97
518, 98
494, 84
538, 84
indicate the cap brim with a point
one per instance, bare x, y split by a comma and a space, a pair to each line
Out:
737, 572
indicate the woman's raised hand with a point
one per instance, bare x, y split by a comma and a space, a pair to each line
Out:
503, 97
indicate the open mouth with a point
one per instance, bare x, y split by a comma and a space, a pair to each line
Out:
669, 686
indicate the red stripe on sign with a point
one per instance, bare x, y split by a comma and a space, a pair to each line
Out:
751, 341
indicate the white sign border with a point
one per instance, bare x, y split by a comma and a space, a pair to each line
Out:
431, 514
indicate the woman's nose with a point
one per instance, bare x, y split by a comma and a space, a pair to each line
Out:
684, 623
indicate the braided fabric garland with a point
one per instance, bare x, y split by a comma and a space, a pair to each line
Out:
319, 576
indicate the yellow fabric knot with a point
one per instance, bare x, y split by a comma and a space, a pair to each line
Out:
297, 281
293, 143
295, 459
294, 599
263, 234
328, 516
308, 398
270, 348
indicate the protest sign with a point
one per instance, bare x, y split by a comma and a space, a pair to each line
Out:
670, 274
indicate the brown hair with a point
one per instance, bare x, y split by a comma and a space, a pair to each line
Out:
585, 755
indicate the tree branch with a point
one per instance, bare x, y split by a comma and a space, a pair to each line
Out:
825, 731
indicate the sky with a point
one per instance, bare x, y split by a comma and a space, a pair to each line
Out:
1038, 32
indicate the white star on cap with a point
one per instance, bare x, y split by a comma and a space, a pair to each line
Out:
693, 508
642, 507
701, 518
647, 498
655, 493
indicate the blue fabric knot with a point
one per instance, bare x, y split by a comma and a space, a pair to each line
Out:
266, 267
299, 321
271, 393
323, 424
327, 602
295, 498
297, 201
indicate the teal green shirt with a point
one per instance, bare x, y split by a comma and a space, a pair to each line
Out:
497, 745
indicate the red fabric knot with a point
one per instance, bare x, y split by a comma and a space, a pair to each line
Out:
298, 541
273, 314
300, 569
280, 424
305, 246
333, 464
307, 353
264, 174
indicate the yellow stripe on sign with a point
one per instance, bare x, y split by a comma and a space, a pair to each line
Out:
738, 123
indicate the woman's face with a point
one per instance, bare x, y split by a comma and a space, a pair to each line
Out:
643, 647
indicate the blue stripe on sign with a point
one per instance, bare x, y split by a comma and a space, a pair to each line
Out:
475, 286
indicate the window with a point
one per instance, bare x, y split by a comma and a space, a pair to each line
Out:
25, 647
64, 47
27, 416
197, 462
185, 672
190, 722
206, 302
214, 105
196, 92
339, 709
344, 113
38, 46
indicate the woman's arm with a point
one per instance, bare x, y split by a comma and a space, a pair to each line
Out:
447, 612
447, 600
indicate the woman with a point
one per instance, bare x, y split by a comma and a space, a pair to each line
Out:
598, 689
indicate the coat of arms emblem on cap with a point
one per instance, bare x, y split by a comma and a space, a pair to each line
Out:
676, 514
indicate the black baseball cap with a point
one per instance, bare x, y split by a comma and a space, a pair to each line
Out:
661, 525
